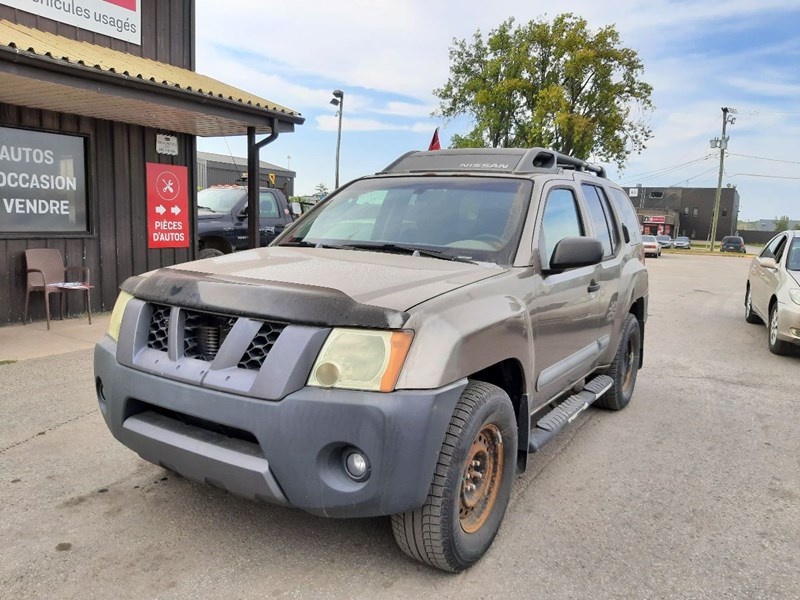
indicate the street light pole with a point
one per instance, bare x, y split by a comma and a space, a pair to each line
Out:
338, 100
722, 144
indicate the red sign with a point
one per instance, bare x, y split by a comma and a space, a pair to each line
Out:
167, 206
129, 4
655, 219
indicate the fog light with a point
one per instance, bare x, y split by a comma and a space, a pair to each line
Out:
795, 331
356, 465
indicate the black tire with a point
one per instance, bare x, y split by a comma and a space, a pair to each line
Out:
776, 346
624, 368
749, 315
209, 253
483, 426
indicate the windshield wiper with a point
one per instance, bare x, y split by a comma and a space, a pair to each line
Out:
413, 250
207, 208
305, 244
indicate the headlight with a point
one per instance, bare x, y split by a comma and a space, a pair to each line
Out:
361, 359
116, 315
795, 295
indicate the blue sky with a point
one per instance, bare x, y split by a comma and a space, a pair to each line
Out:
388, 56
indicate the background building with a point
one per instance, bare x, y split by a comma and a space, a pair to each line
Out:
99, 109
221, 169
685, 211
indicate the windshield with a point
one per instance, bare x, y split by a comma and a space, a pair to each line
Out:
732, 240
793, 260
648, 238
681, 239
663, 238
219, 199
474, 218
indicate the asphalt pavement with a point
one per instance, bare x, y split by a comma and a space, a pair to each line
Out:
690, 492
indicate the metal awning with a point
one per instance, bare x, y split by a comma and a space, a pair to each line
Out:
50, 72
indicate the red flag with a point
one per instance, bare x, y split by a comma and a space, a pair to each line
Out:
435, 141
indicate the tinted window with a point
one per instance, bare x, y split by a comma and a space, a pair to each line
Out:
649, 239
561, 219
601, 222
267, 207
772, 246
627, 213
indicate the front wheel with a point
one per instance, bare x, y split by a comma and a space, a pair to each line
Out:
471, 484
749, 315
625, 367
776, 346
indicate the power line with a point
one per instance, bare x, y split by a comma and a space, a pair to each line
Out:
763, 176
788, 162
664, 170
706, 172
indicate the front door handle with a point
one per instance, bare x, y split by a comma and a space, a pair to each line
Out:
593, 286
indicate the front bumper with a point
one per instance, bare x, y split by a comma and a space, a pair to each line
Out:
789, 322
287, 452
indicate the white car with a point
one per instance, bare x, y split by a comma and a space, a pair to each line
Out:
651, 246
773, 291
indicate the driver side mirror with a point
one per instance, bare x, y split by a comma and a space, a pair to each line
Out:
242, 214
767, 262
574, 252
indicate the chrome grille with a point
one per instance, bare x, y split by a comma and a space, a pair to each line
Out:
259, 348
159, 327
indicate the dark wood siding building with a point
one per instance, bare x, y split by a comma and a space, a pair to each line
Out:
114, 243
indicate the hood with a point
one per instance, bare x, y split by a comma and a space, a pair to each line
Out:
392, 281
204, 215
794, 275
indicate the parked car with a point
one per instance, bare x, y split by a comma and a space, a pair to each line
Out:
664, 240
732, 243
651, 246
399, 350
682, 242
773, 291
222, 218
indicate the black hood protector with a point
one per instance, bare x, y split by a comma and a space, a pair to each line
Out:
278, 301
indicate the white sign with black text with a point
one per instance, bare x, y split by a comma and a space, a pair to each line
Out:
167, 144
119, 19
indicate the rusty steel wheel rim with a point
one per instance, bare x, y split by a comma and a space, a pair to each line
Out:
481, 478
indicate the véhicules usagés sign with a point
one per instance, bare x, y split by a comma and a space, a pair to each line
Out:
42, 182
119, 19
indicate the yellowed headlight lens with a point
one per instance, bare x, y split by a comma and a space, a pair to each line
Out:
116, 315
360, 359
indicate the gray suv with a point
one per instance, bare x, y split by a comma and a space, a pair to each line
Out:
399, 350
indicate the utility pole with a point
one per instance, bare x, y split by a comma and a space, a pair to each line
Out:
338, 101
722, 144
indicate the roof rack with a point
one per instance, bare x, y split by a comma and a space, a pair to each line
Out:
496, 160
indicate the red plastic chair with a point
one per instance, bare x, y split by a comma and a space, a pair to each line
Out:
46, 273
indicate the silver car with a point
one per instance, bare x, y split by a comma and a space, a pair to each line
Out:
773, 291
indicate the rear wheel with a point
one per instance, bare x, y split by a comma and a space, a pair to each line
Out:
471, 485
624, 368
749, 315
776, 346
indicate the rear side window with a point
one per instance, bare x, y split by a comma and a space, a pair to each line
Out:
626, 212
268, 208
561, 219
602, 219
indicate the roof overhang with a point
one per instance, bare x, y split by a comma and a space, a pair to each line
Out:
165, 100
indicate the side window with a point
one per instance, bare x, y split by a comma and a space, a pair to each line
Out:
267, 207
598, 218
630, 222
793, 262
780, 249
561, 219
772, 247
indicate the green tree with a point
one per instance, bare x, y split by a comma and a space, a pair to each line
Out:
781, 223
555, 84
321, 190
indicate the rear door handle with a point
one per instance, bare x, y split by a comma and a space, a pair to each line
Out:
593, 286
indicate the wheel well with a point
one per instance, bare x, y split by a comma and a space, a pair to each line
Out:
508, 376
637, 310
215, 243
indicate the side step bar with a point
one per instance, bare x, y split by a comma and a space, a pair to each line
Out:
562, 415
